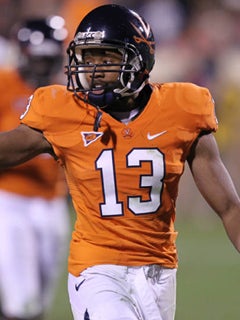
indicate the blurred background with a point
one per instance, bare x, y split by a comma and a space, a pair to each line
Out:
197, 41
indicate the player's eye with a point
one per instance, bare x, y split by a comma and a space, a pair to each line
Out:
88, 62
107, 61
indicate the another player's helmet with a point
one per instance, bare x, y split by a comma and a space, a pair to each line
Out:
111, 27
41, 42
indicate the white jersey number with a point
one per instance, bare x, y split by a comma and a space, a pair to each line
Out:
112, 206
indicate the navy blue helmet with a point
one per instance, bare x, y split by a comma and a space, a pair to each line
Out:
118, 28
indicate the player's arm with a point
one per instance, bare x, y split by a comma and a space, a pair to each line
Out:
20, 145
215, 184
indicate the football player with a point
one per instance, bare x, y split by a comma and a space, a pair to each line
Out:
123, 143
34, 228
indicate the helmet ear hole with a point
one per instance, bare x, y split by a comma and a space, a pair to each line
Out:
126, 76
139, 79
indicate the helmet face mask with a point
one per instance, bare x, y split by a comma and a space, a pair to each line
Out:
111, 66
115, 29
125, 69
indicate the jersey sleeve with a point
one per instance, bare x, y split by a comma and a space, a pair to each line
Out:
199, 104
42, 110
33, 116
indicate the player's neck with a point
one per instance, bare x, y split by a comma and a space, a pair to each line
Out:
127, 116
128, 108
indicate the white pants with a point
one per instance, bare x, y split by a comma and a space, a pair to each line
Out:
34, 238
109, 292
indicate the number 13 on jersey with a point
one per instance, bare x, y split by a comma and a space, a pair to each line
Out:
153, 181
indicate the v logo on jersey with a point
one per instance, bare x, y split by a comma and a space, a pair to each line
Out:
154, 136
90, 136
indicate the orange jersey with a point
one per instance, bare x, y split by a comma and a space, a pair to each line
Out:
41, 176
123, 178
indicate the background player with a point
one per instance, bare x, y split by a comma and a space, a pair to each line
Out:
34, 228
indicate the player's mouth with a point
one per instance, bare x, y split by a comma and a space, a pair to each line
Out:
98, 89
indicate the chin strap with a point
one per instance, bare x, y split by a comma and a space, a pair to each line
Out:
103, 100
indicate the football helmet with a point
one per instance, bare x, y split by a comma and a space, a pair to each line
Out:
111, 27
41, 42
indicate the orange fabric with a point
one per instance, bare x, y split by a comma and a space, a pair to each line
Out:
41, 176
124, 178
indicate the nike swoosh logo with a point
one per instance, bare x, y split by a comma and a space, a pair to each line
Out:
77, 286
154, 136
